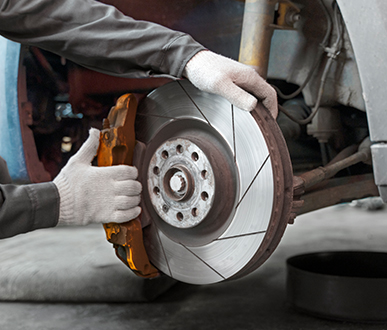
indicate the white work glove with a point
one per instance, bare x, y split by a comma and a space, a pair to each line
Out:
90, 194
235, 81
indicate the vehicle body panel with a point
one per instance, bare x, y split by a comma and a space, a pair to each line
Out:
11, 145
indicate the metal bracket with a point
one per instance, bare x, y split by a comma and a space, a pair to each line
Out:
288, 14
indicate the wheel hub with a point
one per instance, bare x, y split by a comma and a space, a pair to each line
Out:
181, 182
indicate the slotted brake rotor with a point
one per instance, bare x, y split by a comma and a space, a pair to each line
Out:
217, 184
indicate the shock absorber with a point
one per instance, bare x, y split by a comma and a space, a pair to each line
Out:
260, 19
257, 31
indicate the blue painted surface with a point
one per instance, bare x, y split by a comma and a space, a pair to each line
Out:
11, 144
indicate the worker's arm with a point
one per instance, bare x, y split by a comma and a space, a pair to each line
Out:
27, 207
97, 36
101, 38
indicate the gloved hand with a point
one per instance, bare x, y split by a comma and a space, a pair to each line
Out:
90, 194
234, 81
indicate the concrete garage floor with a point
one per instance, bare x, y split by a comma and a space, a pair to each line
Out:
257, 301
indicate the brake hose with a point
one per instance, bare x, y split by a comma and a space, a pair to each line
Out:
332, 53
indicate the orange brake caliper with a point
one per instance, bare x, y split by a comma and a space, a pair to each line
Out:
117, 142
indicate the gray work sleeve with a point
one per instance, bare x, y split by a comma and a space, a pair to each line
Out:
97, 36
27, 207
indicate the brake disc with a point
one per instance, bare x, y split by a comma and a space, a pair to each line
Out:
217, 184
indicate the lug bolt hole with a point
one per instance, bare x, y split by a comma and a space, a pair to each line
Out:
156, 191
204, 174
179, 149
165, 154
156, 170
179, 216
204, 195
195, 212
195, 156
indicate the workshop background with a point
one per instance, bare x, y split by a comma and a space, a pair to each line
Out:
312, 177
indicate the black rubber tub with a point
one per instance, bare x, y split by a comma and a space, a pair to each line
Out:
348, 286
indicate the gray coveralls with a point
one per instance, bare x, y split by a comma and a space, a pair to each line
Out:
98, 37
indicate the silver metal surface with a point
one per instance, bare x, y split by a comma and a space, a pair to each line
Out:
223, 243
370, 48
182, 181
379, 160
367, 28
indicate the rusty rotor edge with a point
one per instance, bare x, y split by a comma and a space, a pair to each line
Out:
283, 212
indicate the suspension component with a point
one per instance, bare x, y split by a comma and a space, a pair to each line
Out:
259, 23
256, 34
